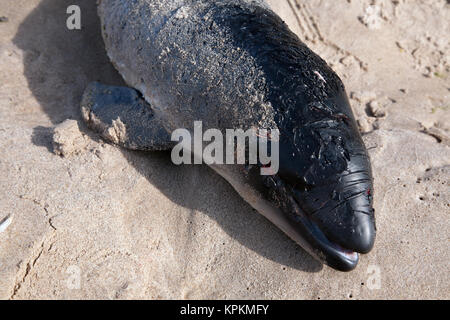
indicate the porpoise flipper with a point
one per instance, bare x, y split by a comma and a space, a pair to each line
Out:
123, 117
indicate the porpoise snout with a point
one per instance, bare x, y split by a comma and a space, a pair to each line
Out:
347, 218
348, 226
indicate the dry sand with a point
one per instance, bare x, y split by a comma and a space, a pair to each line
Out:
83, 219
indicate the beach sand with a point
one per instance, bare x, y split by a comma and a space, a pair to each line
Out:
80, 218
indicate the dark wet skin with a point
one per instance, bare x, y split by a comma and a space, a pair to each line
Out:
324, 164
324, 184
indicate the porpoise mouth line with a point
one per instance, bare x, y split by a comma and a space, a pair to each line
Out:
348, 253
295, 223
323, 247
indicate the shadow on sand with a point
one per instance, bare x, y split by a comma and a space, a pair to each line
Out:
59, 63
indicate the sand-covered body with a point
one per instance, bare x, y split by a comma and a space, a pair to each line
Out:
235, 64
226, 63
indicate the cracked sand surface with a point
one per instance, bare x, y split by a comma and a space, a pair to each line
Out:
132, 225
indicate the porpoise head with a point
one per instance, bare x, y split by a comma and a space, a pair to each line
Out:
321, 196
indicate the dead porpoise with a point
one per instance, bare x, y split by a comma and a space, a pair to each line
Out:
236, 64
